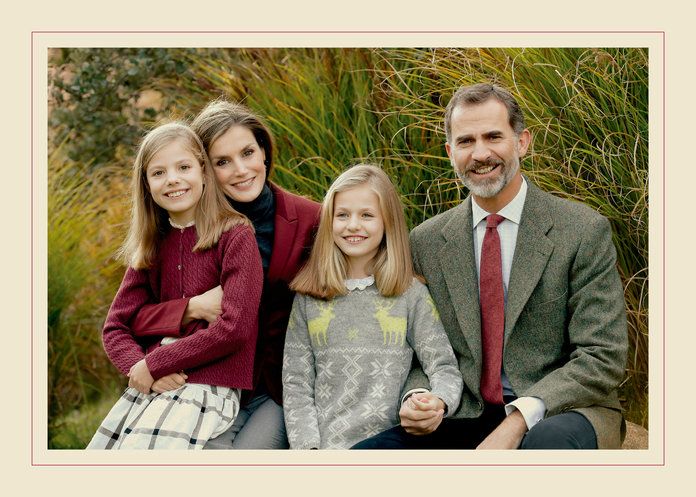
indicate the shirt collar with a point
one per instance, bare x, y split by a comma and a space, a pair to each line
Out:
359, 283
512, 211
188, 225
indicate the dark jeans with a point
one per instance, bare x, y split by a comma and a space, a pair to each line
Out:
569, 430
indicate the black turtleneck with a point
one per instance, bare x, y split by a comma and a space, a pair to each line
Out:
261, 213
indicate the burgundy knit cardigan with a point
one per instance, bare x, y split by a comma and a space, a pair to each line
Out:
221, 353
295, 223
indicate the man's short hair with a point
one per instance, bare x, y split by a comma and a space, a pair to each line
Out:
480, 93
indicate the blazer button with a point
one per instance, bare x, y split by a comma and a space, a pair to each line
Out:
179, 267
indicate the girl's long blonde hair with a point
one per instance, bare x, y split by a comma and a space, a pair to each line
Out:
325, 272
149, 222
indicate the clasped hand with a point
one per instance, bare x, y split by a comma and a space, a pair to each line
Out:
422, 413
139, 377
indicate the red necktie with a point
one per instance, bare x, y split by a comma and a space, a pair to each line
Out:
492, 312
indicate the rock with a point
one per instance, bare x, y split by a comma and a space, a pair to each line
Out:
636, 437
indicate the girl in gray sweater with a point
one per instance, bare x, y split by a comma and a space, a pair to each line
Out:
358, 317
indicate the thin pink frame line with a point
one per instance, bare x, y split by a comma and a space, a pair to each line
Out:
664, 263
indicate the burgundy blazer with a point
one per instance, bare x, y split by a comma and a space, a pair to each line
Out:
296, 221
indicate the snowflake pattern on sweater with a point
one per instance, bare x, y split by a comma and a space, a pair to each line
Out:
346, 362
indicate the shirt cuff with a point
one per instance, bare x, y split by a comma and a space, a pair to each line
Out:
307, 446
531, 408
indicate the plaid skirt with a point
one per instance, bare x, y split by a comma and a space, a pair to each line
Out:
185, 418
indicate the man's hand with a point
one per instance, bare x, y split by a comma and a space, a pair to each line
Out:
139, 377
422, 413
207, 306
507, 435
169, 382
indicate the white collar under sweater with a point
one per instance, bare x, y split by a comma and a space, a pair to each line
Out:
359, 283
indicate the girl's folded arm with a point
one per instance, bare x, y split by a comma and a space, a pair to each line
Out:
119, 343
241, 280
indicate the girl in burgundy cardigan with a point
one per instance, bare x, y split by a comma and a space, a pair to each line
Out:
241, 149
184, 239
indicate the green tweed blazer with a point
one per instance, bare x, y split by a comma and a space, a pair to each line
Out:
565, 320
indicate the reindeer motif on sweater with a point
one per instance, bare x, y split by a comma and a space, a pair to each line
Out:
318, 326
393, 327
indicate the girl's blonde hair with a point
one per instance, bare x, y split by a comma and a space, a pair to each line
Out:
325, 272
149, 221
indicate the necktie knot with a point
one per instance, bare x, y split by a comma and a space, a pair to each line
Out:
493, 220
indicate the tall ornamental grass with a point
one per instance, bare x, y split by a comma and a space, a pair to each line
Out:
85, 211
319, 103
587, 110
329, 108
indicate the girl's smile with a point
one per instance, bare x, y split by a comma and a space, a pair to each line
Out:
176, 194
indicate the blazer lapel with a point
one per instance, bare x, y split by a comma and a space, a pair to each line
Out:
532, 253
459, 269
285, 229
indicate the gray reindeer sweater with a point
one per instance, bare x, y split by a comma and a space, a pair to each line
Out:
346, 361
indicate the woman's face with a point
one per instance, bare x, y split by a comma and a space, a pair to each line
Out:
238, 164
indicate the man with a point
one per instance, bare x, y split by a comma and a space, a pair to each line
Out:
527, 289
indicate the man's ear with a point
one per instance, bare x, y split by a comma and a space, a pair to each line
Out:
448, 149
523, 141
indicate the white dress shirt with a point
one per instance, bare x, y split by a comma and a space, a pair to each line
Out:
531, 408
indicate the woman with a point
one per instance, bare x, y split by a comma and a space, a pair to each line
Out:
241, 147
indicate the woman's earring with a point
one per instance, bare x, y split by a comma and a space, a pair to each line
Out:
266, 162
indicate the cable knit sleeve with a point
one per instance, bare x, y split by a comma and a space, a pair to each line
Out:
298, 381
431, 345
119, 343
241, 279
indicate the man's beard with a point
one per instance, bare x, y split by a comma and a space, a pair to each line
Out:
489, 187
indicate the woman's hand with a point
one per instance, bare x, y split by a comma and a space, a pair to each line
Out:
206, 306
139, 377
169, 382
